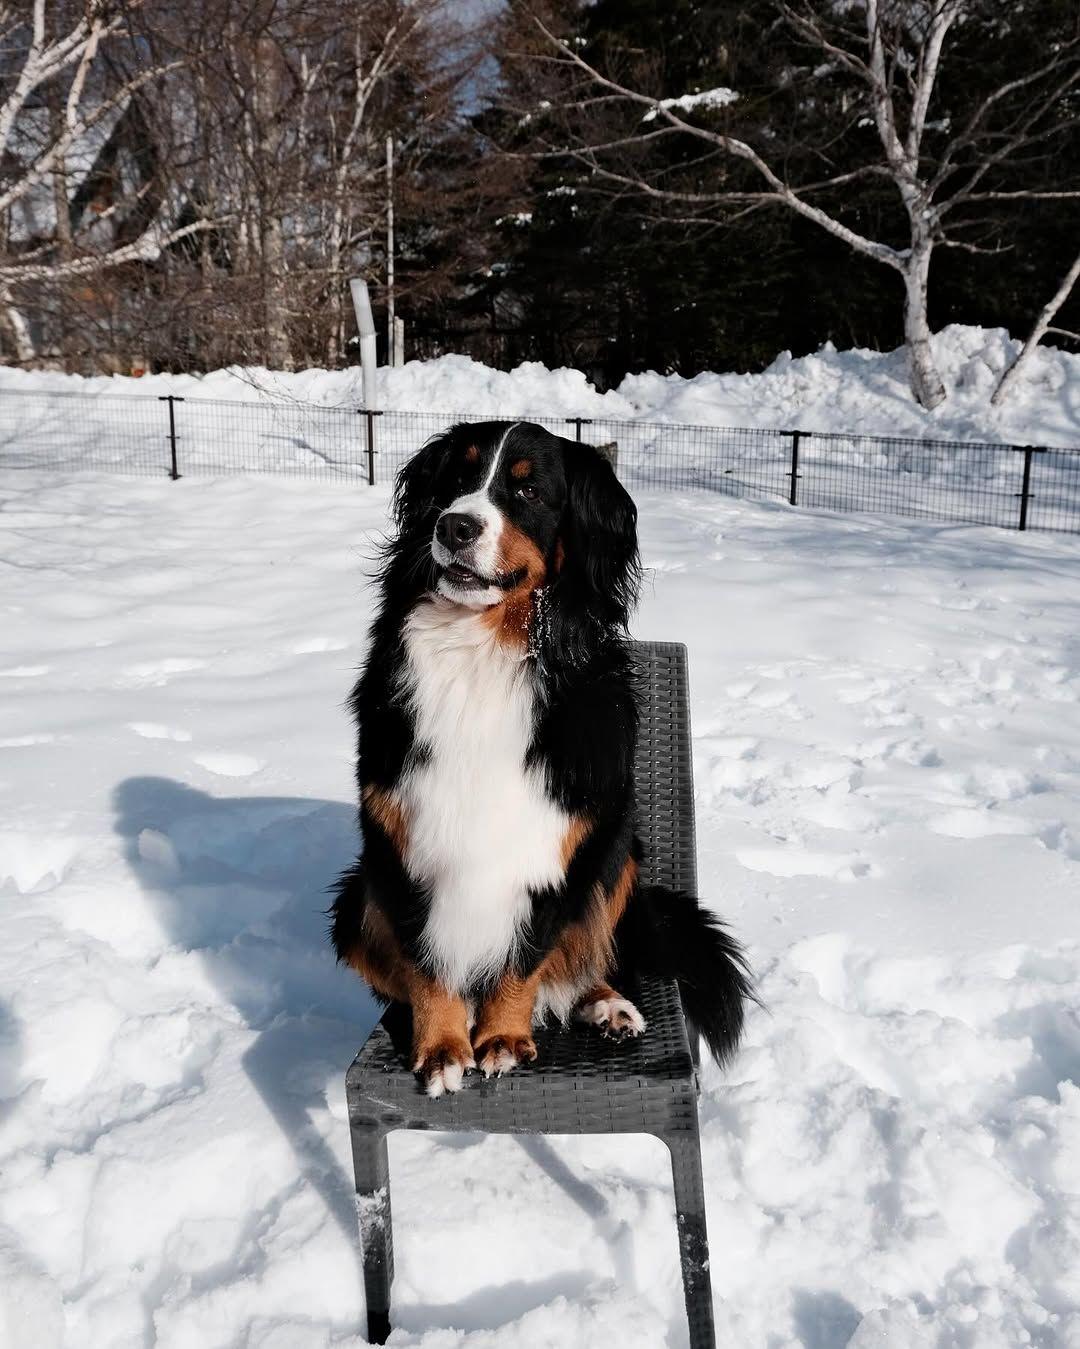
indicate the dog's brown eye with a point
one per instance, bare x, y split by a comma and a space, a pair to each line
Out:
528, 491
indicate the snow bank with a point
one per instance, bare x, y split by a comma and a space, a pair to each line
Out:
887, 761
846, 391
867, 391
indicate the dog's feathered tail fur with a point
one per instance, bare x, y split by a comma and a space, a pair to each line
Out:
667, 933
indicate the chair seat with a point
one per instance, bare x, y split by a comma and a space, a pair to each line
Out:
581, 1082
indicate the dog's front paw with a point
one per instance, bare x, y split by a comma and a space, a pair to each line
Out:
443, 1066
497, 1054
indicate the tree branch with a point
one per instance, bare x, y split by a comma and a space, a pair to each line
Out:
779, 190
1046, 316
144, 249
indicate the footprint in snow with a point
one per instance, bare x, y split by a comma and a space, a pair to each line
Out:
793, 861
229, 765
982, 823
152, 730
312, 646
158, 671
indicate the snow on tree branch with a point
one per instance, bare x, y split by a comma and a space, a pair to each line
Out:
707, 98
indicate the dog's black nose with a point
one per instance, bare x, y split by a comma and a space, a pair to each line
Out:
455, 531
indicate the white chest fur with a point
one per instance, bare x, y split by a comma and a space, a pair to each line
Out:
482, 828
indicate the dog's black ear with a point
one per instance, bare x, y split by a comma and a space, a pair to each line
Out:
599, 535
414, 491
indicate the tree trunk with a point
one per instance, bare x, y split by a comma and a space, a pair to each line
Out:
926, 383
268, 117
278, 354
19, 329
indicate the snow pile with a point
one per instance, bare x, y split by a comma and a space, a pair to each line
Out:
867, 391
887, 755
855, 391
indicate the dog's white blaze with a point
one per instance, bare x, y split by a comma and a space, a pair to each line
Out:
482, 827
484, 555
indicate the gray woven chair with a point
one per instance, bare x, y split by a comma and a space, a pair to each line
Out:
580, 1082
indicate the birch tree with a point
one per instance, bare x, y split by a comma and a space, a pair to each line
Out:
55, 64
888, 65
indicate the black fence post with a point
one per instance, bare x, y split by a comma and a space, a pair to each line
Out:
794, 475
171, 398
578, 423
370, 414
1025, 487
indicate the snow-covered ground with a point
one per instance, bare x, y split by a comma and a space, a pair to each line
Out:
887, 743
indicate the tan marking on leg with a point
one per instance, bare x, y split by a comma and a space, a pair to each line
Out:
502, 1037
620, 892
583, 954
441, 1051
379, 959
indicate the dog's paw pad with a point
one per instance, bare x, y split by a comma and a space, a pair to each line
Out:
499, 1054
616, 1018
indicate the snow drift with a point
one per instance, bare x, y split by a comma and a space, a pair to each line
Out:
845, 391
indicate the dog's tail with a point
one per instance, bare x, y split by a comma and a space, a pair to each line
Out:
667, 933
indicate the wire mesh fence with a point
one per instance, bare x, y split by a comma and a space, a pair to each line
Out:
973, 483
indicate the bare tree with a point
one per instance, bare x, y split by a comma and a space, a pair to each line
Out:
60, 95
891, 55
294, 107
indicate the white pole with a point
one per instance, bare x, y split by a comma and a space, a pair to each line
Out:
391, 353
366, 324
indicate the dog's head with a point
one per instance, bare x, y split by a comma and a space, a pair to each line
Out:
509, 507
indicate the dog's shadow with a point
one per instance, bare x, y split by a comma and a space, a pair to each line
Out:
243, 882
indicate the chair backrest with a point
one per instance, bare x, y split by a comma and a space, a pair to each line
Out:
664, 775
663, 768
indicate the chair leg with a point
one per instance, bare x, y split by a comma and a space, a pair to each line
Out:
372, 1168
685, 1151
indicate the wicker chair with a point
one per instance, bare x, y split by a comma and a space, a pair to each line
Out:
580, 1082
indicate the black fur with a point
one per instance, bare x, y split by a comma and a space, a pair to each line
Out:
667, 933
584, 524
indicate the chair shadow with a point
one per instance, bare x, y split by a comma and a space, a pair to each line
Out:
243, 882
492, 1307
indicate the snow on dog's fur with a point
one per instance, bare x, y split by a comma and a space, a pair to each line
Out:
497, 721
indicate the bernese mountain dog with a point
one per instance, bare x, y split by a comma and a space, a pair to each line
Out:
498, 882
